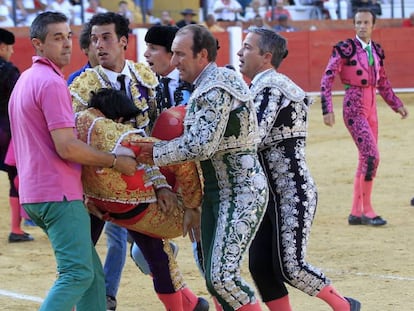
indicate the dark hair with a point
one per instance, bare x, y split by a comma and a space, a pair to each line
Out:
366, 10
202, 39
85, 36
121, 23
114, 104
272, 42
161, 35
6, 37
39, 27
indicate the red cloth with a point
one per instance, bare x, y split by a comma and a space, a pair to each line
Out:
169, 125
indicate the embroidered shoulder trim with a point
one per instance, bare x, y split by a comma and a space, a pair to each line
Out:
274, 79
81, 87
346, 49
143, 74
226, 79
380, 51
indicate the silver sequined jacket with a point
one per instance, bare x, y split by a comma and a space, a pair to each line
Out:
220, 118
281, 108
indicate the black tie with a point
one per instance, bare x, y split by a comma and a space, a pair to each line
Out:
121, 80
166, 92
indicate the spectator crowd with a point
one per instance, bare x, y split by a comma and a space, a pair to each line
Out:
23, 12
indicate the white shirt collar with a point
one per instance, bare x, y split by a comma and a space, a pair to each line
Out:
112, 75
364, 45
173, 75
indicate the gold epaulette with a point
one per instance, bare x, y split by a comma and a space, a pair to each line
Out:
81, 88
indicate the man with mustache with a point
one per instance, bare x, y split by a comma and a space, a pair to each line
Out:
278, 252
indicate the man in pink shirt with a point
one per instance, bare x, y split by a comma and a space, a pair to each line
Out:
49, 158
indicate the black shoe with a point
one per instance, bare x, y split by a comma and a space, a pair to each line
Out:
412, 202
376, 221
110, 303
202, 305
354, 220
354, 304
15, 237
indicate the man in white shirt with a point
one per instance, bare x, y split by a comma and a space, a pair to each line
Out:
227, 10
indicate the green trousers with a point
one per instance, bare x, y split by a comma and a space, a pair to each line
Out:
235, 198
80, 279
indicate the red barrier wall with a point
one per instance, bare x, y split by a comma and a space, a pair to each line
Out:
23, 52
223, 52
308, 54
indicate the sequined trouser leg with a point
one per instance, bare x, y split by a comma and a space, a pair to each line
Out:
361, 120
167, 278
234, 202
277, 254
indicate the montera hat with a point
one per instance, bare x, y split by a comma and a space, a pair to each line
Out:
6, 36
161, 35
188, 12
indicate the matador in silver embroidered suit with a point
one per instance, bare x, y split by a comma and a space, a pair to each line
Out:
282, 109
278, 252
220, 131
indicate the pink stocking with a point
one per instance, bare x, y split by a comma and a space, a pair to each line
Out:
172, 302
15, 215
280, 304
250, 307
333, 298
189, 299
367, 208
357, 199
217, 304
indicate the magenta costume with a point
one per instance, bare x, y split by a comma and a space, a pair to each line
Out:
361, 80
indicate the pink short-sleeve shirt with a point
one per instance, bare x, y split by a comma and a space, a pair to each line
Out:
40, 103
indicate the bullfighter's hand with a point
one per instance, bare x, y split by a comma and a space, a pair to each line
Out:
191, 224
167, 200
403, 112
145, 152
92, 208
126, 165
329, 119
